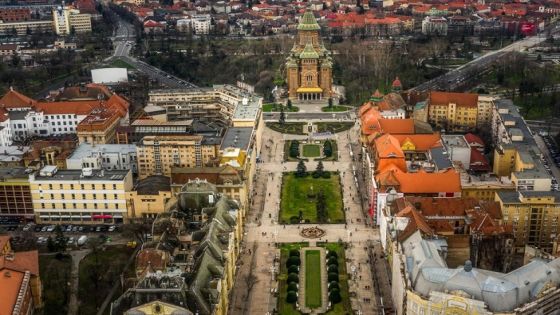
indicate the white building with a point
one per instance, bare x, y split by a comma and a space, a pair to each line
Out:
393, 114
434, 25
199, 24
5, 129
104, 156
458, 149
67, 20
26, 123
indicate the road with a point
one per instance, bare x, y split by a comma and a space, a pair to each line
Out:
457, 77
124, 40
300, 116
548, 157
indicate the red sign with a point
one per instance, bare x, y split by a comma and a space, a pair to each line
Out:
101, 216
528, 28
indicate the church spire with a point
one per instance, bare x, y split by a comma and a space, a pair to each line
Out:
308, 22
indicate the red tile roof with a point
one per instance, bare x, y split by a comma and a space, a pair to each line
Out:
22, 262
422, 182
14, 99
461, 99
473, 139
397, 126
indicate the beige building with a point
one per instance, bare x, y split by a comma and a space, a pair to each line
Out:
80, 196
21, 28
150, 197
157, 155
534, 216
454, 112
67, 20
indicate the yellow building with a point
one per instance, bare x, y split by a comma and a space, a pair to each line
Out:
534, 216
150, 197
309, 65
453, 303
157, 155
67, 20
484, 187
80, 196
454, 112
23, 27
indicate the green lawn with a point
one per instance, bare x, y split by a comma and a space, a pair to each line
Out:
313, 278
55, 276
336, 108
283, 307
334, 127
295, 198
121, 64
311, 150
289, 128
275, 107
98, 273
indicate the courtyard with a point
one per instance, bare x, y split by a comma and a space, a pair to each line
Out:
298, 202
324, 150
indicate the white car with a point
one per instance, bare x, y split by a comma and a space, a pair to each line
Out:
50, 228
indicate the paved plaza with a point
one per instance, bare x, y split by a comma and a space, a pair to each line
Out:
257, 269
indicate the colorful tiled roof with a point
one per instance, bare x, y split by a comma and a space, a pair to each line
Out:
309, 52
308, 22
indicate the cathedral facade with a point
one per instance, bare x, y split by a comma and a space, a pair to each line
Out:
309, 64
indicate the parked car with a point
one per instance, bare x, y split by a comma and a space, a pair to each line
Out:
82, 240
50, 228
112, 228
70, 241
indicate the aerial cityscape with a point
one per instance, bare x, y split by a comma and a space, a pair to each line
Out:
216, 157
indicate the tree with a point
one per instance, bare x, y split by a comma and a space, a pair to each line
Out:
320, 168
289, 104
301, 170
321, 207
282, 118
327, 148
330, 102
294, 149
50, 244
59, 239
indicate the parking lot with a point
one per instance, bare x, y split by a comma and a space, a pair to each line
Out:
551, 157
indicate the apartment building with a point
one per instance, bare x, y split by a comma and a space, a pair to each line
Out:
5, 130
516, 154
80, 196
15, 194
99, 127
454, 112
534, 216
224, 102
23, 27
67, 20
157, 155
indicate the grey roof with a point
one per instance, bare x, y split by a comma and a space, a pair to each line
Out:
237, 137
440, 159
88, 150
13, 172
152, 185
428, 272
73, 175
17, 114
513, 196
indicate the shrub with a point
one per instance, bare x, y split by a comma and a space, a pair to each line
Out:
332, 253
294, 220
333, 276
292, 287
326, 175
333, 268
293, 261
332, 261
333, 285
295, 269
316, 175
291, 297
327, 149
334, 296
294, 252
293, 277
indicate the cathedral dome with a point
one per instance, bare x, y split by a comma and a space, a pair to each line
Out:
308, 22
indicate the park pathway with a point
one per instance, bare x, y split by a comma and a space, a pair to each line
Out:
324, 285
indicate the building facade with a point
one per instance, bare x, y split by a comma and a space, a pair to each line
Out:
157, 155
309, 65
15, 194
80, 196
106, 156
454, 112
67, 20
149, 197
534, 216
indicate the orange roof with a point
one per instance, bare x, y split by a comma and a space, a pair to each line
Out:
473, 139
364, 108
23, 261
422, 142
387, 146
3, 115
68, 107
10, 283
417, 222
422, 182
397, 126
461, 99
13, 99
370, 122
